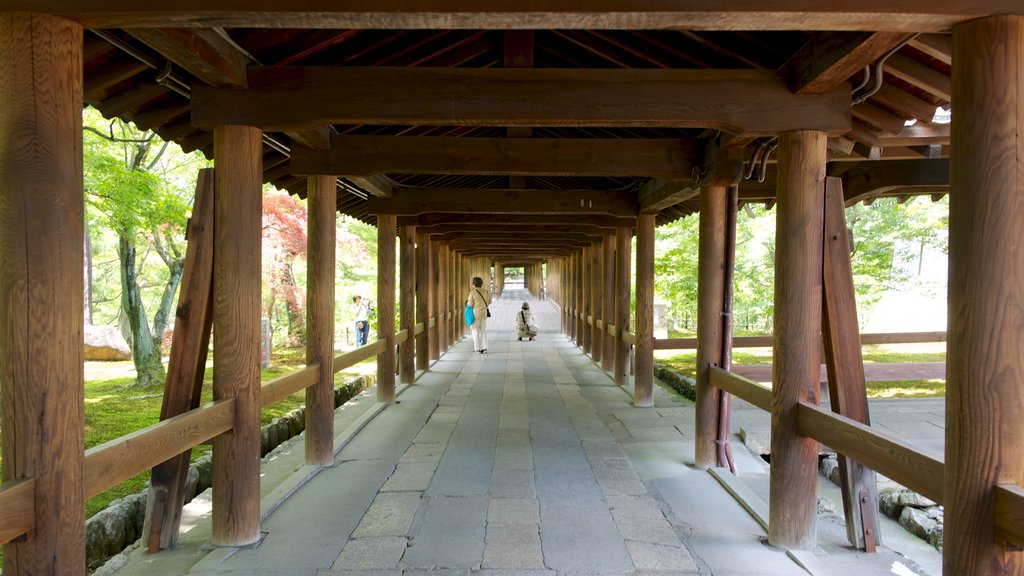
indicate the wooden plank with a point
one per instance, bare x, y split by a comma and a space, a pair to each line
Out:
905, 103
845, 366
985, 384
883, 119
349, 359
386, 226
742, 388
586, 295
866, 15
322, 194
418, 201
830, 59
738, 101
794, 471
917, 135
671, 159
643, 378
623, 247
710, 304
439, 298
41, 285
656, 195
186, 367
868, 179
914, 468
425, 303
285, 385
18, 501
1009, 513
928, 79
608, 300
113, 462
236, 313
201, 52
377, 185
596, 298
407, 304
938, 46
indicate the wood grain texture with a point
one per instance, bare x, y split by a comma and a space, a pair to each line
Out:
740, 387
236, 322
596, 300
17, 500
587, 296
798, 262
623, 293
202, 52
828, 61
407, 305
607, 301
753, 102
643, 383
386, 226
426, 287
985, 374
416, 201
916, 469
439, 265
349, 359
283, 386
1010, 513
113, 462
322, 194
710, 304
41, 284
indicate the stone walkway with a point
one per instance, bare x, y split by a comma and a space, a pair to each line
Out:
526, 460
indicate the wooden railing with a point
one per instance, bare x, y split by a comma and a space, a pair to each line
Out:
766, 341
914, 468
118, 460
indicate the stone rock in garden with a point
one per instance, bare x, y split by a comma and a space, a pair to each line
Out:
826, 507
105, 343
191, 483
204, 464
757, 441
910, 498
918, 523
264, 440
888, 504
105, 533
829, 468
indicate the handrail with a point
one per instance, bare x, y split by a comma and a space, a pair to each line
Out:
433, 322
743, 388
418, 329
353, 357
18, 501
401, 336
284, 386
1009, 512
113, 462
915, 469
766, 341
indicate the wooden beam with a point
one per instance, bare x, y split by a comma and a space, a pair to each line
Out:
985, 371
938, 46
883, 119
202, 52
419, 201
489, 219
917, 135
17, 498
377, 185
831, 58
407, 302
656, 195
924, 77
670, 159
904, 102
741, 101
623, 249
866, 15
386, 307
794, 471
320, 274
41, 286
608, 300
236, 314
867, 179
426, 286
710, 306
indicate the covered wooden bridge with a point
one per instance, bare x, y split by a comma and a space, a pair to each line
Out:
542, 135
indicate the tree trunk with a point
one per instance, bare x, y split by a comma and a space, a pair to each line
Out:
296, 313
167, 300
88, 274
145, 356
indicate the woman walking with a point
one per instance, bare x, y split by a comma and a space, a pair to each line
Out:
479, 301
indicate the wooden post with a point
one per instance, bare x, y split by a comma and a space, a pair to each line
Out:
797, 339
499, 278
570, 296
623, 238
426, 287
563, 292
323, 207
608, 301
644, 374
710, 304
578, 296
985, 394
41, 285
236, 325
597, 301
386, 224
586, 293
441, 296
407, 307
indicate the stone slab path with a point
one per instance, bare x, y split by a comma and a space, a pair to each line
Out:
524, 461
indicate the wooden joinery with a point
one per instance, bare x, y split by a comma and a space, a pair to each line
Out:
623, 240
710, 305
41, 285
386, 224
608, 301
425, 304
644, 372
797, 338
985, 369
236, 322
322, 195
407, 304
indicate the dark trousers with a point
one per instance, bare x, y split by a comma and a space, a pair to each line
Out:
362, 333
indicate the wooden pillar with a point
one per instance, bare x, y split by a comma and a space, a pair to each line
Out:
596, 301
587, 288
643, 380
41, 284
236, 324
454, 301
623, 238
441, 295
578, 296
426, 287
985, 387
322, 194
407, 306
563, 291
386, 224
797, 339
710, 303
608, 301
499, 278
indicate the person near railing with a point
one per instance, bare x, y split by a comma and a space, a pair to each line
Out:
361, 312
478, 300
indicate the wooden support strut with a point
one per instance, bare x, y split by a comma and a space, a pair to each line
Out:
644, 372
322, 193
386, 224
711, 263
425, 306
622, 298
407, 290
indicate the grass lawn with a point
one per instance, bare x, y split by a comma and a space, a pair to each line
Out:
113, 408
685, 362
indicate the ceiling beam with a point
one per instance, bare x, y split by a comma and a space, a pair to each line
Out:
366, 155
830, 59
490, 219
866, 180
656, 195
867, 15
417, 201
437, 231
377, 185
738, 101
